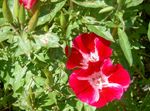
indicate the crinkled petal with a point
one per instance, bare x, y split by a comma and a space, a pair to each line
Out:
83, 89
120, 76
74, 59
108, 94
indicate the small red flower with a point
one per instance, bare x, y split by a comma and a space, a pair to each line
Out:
28, 4
87, 49
97, 88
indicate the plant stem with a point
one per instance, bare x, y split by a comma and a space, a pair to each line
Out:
114, 31
71, 5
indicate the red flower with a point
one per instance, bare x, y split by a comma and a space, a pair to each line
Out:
97, 88
28, 4
88, 50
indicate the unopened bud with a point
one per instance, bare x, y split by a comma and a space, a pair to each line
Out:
22, 14
6, 11
106, 9
16, 8
33, 20
63, 20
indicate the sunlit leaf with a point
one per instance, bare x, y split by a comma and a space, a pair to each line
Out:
49, 40
48, 17
89, 108
91, 4
125, 46
131, 3
101, 31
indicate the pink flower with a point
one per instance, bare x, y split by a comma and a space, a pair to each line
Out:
97, 88
88, 49
28, 4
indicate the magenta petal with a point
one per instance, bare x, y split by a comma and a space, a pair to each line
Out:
28, 4
84, 42
83, 89
107, 95
120, 76
74, 59
108, 68
104, 51
85, 72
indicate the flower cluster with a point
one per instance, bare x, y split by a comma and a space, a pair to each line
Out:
28, 4
95, 80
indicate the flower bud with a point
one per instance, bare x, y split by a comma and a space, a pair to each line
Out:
106, 9
63, 20
22, 14
6, 11
16, 8
33, 20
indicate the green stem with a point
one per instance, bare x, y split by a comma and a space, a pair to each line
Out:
71, 5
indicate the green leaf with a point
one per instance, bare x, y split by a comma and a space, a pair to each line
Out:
132, 3
88, 108
101, 31
41, 56
125, 46
24, 47
79, 106
71, 26
2, 21
49, 40
39, 81
48, 17
18, 74
148, 33
5, 33
90, 4
51, 99
64, 77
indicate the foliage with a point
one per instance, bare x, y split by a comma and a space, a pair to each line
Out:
33, 76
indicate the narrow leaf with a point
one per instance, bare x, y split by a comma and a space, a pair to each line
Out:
49, 17
148, 33
125, 46
90, 4
132, 3
101, 31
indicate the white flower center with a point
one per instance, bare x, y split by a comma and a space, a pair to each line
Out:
93, 57
96, 80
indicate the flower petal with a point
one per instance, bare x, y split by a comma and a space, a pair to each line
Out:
74, 59
28, 4
84, 42
120, 76
104, 41
85, 72
108, 94
104, 51
83, 89
108, 68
